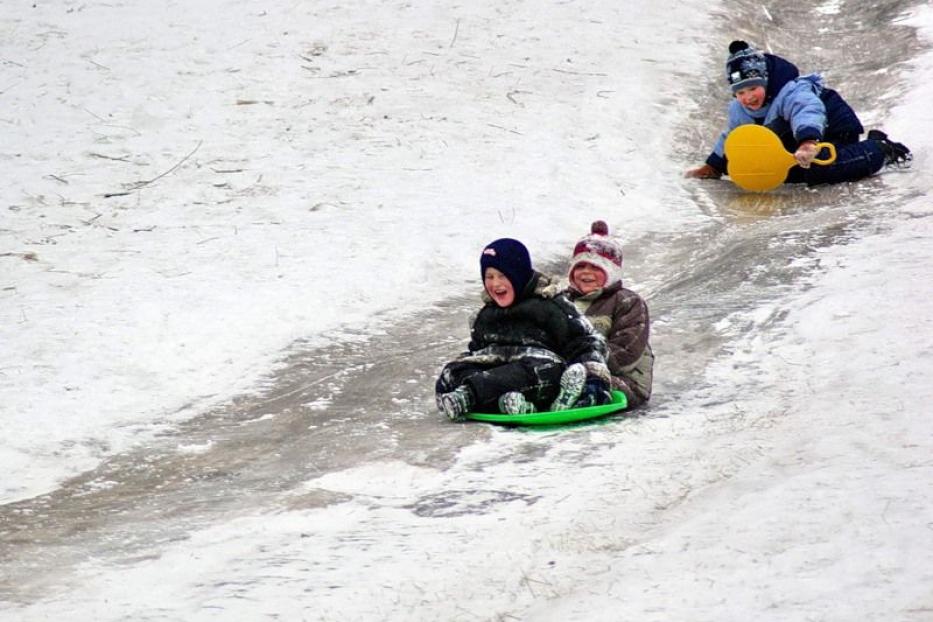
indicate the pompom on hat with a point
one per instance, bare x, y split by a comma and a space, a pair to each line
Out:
511, 258
599, 250
746, 66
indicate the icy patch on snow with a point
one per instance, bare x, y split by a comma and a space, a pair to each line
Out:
392, 479
832, 7
196, 448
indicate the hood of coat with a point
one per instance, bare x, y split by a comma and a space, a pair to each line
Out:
780, 72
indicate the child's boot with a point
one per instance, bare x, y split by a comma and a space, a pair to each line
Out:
571, 385
895, 154
514, 403
455, 404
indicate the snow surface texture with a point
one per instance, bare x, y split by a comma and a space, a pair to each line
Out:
302, 172
289, 173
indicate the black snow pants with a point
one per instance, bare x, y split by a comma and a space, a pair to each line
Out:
538, 381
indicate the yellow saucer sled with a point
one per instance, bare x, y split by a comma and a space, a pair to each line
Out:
758, 160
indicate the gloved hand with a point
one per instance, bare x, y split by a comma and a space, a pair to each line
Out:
806, 152
703, 172
595, 392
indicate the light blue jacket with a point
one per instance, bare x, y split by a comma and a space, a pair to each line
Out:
798, 103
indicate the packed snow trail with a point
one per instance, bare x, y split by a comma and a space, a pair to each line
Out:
371, 400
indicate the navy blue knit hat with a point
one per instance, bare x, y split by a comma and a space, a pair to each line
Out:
511, 258
746, 66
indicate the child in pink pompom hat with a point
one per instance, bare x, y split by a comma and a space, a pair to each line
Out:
618, 313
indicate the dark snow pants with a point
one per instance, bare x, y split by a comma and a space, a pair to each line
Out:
538, 381
853, 161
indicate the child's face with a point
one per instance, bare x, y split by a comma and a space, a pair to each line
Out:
751, 97
588, 278
499, 287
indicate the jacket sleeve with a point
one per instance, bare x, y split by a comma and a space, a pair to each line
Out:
804, 109
476, 340
628, 335
583, 343
717, 158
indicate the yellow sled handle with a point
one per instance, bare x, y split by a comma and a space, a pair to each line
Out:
832, 154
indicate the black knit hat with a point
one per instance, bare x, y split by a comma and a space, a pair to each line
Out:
746, 66
511, 258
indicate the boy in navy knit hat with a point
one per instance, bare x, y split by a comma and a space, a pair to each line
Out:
769, 90
530, 349
619, 314
746, 67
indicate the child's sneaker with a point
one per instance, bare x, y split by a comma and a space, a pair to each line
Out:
895, 154
514, 403
455, 404
571, 385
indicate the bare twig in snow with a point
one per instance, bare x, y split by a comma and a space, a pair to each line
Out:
10, 87
499, 127
579, 73
96, 64
527, 581
456, 32
337, 74
99, 118
106, 157
502, 219
515, 101
140, 184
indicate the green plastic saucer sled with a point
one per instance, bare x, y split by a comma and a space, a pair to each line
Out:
556, 417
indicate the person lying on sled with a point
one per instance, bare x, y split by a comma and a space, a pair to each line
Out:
530, 349
769, 90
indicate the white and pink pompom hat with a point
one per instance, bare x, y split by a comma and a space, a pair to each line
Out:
599, 250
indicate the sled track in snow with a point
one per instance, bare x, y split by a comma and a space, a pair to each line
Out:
335, 408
